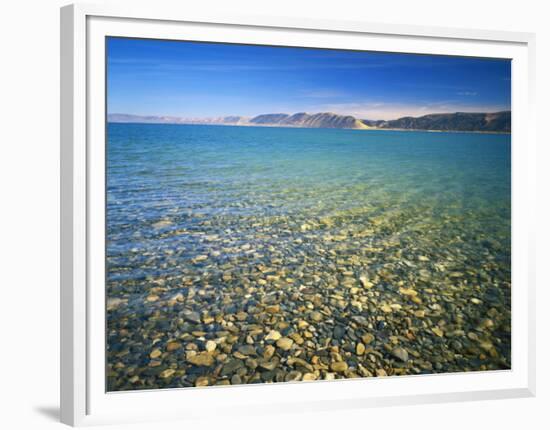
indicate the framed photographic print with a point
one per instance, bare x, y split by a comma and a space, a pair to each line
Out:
277, 214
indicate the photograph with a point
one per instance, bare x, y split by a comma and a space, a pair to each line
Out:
279, 214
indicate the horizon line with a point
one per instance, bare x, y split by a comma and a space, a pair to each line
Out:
302, 112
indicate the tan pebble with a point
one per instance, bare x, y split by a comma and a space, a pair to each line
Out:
437, 331
198, 333
115, 302
210, 345
297, 338
381, 372
487, 323
309, 377
269, 351
239, 355
486, 345
339, 366
302, 324
408, 291
201, 359
367, 338
360, 349
285, 343
316, 316
386, 308
273, 309
365, 282
167, 373
155, 353
273, 335
172, 346
202, 381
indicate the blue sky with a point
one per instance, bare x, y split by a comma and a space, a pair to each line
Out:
190, 79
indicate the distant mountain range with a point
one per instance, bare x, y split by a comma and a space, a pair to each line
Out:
459, 121
151, 119
302, 119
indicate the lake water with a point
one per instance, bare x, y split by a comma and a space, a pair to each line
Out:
326, 237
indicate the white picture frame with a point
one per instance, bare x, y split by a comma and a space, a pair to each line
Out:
84, 400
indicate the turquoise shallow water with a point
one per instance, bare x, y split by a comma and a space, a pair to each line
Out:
186, 174
193, 208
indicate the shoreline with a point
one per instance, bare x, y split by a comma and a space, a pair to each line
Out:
314, 128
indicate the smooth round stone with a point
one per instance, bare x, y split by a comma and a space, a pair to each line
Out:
339, 366
251, 363
155, 353
268, 376
273, 335
231, 367
172, 346
191, 316
210, 346
360, 349
367, 338
437, 331
400, 353
269, 365
202, 381
339, 332
236, 380
316, 316
285, 343
167, 373
247, 350
309, 377
381, 372
201, 359
456, 345
293, 376
269, 350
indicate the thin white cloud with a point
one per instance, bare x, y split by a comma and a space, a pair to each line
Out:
156, 65
323, 94
387, 111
